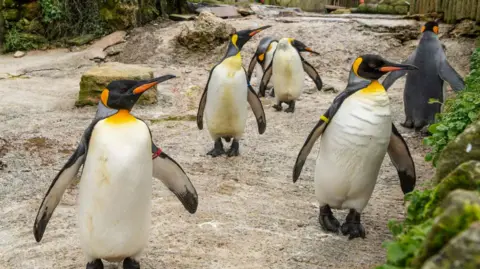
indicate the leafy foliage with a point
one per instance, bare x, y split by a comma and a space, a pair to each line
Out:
67, 18
459, 112
15, 40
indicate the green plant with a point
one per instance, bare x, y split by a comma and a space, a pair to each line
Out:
459, 112
16, 40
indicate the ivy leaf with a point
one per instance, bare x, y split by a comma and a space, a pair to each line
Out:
395, 253
472, 115
434, 101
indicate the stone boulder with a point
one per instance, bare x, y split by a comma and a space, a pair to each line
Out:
97, 78
206, 33
459, 210
461, 252
466, 177
464, 148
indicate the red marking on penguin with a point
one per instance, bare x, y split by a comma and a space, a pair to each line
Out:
156, 154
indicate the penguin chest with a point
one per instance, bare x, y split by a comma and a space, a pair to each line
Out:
287, 74
352, 149
226, 107
115, 191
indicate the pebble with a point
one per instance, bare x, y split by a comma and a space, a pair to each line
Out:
19, 54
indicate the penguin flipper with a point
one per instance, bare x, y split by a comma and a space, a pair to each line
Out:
448, 74
251, 67
257, 109
55, 192
312, 73
393, 76
402, 160
265, 79
175, 179
203, 101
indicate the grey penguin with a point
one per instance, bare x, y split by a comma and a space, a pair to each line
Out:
261, 59
225, 98
119, 160
357, 131
286, 70
428, 82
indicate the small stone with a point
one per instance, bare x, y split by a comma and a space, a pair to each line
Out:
19, 54
245, 11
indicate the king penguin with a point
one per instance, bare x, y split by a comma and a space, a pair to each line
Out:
428, 81
261, 59
357, 131
225, 98
114, 201
286, 70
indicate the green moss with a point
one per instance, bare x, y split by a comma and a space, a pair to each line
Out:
401, 9
385, 9
11, 14
81, 40
15, 40
9, 3
31, 10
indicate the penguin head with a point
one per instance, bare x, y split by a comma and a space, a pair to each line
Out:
431, 26
373, 67
123, 94
240, 38
300, 46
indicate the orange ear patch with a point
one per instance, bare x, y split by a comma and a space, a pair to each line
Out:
261, 57
423, 29
104, 97
435, 29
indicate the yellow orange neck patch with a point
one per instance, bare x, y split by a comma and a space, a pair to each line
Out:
122, 116
357, 64
374, 87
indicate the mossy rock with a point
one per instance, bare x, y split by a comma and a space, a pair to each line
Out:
385, 9
119, 16
464, 148
466, 176
97, 78
31, 10
11, 14
462, 252
362, 8
81, 40
8, 3
33, 27
15, 40
399, 3
401, 9
342, 11
459, 210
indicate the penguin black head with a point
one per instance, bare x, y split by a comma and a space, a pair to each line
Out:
373, 67
123, 94
240, 38
431, 26
300, 46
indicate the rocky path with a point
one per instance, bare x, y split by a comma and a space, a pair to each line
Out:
250, 214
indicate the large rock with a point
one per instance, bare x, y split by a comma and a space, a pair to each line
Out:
206, 33
464, 148
465, 176
462, 252
459, 210
96, 79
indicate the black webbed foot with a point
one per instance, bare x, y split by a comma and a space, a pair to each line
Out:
217, 149
291, 107
352, 225
234, 149
327, 220
95, 264
407, 124
278, 107
130, 263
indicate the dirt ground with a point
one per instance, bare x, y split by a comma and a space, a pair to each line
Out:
250, 214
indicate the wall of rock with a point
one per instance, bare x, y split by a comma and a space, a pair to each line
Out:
31, 24
384, 7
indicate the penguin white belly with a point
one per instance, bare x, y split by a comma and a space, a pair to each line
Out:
115, 191
268, 60
352, 149
259, 75
226, 107
287, 76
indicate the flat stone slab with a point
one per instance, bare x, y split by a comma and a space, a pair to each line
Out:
222, 11
95, 80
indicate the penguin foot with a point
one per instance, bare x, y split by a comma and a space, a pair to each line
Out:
327, 220
272, 92
233, 151
291, 107
217, 149
278, 107
95, 264
130, 263
423, 131
407, 124
352, 225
